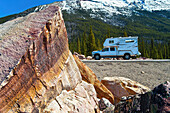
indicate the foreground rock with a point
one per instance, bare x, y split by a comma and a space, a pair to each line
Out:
89, 76
161, 97
105, 106
120, 86
155, 101
80, 100
37, 71
80, 56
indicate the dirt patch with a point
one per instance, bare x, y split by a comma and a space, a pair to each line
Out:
150, 74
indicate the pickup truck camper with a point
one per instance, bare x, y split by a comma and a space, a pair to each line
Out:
126, 47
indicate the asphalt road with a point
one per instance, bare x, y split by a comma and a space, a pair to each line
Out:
158, 60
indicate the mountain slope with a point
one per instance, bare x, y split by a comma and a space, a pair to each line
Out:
148, 24
144, 18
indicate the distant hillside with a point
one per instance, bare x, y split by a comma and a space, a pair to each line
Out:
146, 24
142, 23
152, 27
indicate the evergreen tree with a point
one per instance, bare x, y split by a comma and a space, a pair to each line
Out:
168, 52
84, 44
160, 55
72, 44
164, 52
98, 44
146, 53
168, 49
81, 44
88, 46
78, 46
160, 51
155, 55
125, 34
92, 42
143, 48
152, 49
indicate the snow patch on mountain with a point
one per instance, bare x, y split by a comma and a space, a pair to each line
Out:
108, 10
141, 4
108, 7
113, 5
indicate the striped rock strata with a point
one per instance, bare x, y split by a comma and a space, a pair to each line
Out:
89, 76
37, 71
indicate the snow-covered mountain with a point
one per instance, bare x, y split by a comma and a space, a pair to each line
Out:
145, 18
123, 7
109, 10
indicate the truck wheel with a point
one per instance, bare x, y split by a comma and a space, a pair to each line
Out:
97, 57
127, 56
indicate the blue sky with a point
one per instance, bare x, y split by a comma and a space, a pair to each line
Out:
8, 7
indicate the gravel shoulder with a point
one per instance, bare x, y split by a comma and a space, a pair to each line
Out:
150, 74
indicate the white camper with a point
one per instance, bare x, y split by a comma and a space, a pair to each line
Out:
125, 47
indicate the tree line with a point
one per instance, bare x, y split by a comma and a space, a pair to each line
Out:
154, 49
85, 43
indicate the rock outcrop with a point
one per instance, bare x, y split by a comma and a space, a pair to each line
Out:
120, 86
89, 76
155, 101
105, 106
161, 97
37, 71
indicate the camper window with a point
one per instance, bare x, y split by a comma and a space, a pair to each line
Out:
111, 41
112, 49
128, 41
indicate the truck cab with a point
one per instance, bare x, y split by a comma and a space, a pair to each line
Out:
106, 52
125, 47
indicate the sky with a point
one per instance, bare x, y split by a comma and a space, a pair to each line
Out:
8, 7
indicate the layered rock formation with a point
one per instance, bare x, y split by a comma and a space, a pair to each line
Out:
120, 86
89, 76
38, 73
